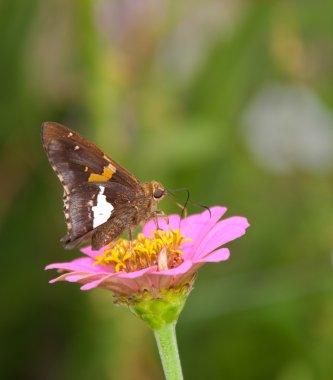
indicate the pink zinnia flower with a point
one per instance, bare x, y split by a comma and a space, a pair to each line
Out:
159, 259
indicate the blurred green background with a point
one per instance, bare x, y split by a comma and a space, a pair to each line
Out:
230, 98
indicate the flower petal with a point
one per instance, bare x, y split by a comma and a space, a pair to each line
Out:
224, 231
181, 269
89, 252
80, 264
197, 226
216, 256
65, 276
137, 273
94, 284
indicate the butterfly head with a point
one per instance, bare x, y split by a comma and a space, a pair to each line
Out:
158, 191
155, 189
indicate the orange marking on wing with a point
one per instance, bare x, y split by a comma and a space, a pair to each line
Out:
97, 178
108, 171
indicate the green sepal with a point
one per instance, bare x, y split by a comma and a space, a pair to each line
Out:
158, 307
157, 312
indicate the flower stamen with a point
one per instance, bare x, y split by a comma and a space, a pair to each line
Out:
162, 249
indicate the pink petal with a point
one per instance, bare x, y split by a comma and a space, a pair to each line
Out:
148, 227
89, 252
136, 274
224, 231
77, 277
67, 275
121, 286
136, 283
173, 222
162, 281
80, 264
216, 256
197, 226
183, 268
95, 283
87, 278
206, 218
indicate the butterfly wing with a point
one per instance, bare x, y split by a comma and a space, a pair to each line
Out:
95, 186
93, 206
76, 160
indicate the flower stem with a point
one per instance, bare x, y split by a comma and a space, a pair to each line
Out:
167, 346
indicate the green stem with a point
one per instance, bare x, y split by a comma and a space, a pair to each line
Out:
167, 346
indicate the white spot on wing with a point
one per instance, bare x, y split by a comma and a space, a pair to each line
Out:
103, 209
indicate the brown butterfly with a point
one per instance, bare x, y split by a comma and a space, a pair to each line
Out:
101, 198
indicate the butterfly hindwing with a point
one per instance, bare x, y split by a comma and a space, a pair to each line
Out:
90, 206
123, 218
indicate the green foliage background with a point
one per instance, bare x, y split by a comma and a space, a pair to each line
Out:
162, 87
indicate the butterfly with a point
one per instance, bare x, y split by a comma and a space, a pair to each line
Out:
101, 198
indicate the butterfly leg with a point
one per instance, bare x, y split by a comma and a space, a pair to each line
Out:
130, 237
160, 214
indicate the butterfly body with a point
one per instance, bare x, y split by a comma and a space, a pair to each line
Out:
101, 198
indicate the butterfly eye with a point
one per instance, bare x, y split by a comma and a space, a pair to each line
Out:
158, 193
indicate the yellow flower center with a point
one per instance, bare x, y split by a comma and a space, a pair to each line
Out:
161, 249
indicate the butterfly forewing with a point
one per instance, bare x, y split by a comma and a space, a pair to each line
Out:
76, 160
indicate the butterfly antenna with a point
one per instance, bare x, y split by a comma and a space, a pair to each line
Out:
184, 207
202, 206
